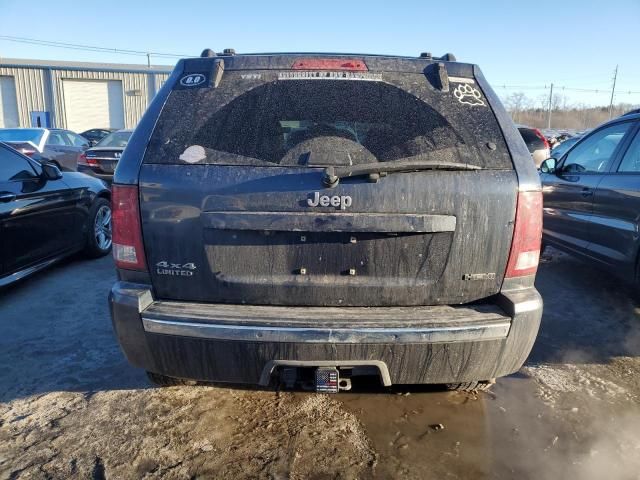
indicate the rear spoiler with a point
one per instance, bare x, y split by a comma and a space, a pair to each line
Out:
286, 61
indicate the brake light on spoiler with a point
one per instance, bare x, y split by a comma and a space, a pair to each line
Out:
334, 64
128, 250
527, 236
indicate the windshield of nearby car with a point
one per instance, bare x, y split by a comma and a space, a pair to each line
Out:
21, 135
564, 147
115, 139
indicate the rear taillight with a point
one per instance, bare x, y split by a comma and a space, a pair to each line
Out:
336, 64
29, 152
527, 234
128, 251
84, 160
541, 137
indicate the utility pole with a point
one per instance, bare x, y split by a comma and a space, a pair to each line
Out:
549, 112
148, 60
613, 91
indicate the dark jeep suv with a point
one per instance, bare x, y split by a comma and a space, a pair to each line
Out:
292, 216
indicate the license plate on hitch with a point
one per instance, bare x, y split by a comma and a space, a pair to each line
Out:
327, 379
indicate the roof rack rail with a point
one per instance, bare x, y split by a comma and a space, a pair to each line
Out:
207, 53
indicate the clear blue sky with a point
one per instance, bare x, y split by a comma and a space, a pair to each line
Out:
573, 44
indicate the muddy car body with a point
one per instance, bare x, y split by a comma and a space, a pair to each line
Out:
352, 212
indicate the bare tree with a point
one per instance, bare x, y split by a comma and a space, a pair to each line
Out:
557, 101
516, 103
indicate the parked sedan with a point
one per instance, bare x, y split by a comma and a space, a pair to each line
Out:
46, 215
592, 197
96, 134
101, 160
536, 143
58, 146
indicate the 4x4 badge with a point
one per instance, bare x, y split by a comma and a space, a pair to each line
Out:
175, 269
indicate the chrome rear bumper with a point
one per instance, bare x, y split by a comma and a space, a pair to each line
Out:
244, 343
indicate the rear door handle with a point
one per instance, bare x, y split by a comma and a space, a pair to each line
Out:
7, 197
586, 192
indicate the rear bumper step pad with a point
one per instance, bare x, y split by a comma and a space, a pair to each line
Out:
439, 324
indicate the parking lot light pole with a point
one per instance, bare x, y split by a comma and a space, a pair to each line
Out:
550, 104
613, 91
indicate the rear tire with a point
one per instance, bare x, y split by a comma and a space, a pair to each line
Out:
479, 386
98, 235
164, 381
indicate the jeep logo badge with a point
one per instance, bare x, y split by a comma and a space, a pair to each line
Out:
192, 80
342, 201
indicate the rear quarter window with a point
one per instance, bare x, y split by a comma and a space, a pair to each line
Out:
263, 119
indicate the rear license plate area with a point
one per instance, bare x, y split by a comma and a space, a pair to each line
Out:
327, 380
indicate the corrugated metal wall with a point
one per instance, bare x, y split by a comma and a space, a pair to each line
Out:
31, 91
34, 90
134, 92
160, 79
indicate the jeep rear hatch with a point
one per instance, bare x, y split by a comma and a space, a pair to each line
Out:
234, 209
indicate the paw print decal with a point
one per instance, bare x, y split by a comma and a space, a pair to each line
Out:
468, 95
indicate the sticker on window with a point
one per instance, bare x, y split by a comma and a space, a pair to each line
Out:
323, 75
192, 80
468, 95
193, 154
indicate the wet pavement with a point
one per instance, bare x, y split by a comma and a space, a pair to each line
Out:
71, 407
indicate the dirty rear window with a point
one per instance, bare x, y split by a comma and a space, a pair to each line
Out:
259, 119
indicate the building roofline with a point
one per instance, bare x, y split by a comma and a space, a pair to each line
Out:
65, 65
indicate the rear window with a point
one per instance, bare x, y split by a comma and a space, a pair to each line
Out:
259, 119
116, 139
530, 138
21, 135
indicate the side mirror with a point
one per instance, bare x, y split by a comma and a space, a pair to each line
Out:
549, 165
50, 171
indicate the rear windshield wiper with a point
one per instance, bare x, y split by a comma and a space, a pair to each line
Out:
332, 175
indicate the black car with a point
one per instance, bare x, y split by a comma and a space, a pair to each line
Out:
96, 134
592, 197
288, 215
100, 161
46, 215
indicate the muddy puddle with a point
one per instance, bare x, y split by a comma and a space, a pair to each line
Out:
506, 433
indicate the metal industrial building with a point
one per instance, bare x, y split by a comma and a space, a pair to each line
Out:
74, 95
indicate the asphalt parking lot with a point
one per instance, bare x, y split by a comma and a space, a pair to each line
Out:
71, 406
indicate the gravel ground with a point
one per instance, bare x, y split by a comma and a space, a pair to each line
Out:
71, 407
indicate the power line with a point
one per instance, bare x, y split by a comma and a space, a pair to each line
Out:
570, 89
148, 55
89, 48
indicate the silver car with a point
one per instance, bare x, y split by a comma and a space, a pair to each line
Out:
58, 146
